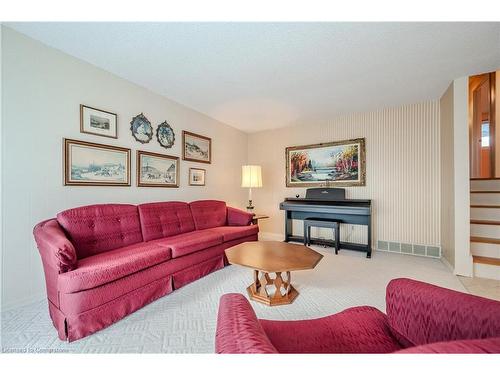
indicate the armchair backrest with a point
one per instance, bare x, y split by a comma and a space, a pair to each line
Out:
420, 313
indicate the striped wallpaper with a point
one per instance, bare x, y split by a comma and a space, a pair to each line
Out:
402, 170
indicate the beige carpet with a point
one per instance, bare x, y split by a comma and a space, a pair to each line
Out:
184, 321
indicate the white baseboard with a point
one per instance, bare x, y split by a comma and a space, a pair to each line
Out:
269, 236
448, 265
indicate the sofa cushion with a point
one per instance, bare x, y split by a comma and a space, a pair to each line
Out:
165, 219
112, 265
238, 217
78, 302
102, 227
233, 233
208, 213
187, 243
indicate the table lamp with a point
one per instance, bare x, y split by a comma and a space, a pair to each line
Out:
251, 177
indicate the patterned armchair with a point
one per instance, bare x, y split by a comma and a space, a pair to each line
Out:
420, 318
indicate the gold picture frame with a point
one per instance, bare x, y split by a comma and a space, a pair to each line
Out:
341, 163
98, 122
194, 180
158, 170
95, 164
195, 144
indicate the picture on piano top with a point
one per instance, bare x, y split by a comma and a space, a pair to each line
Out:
326, 164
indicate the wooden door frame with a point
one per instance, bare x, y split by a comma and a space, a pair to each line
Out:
474, 82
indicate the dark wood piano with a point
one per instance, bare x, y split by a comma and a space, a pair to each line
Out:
329, 203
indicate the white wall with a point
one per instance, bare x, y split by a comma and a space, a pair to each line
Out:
402, 170
1, 177
455, 183
447, 176
43, 89
463, 258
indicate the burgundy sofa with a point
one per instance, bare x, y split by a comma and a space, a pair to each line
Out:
103, 262
421, 318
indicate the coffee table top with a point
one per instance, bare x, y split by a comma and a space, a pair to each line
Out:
273, 256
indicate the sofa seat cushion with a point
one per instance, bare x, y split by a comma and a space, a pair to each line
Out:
362, 329
234, 233
187, 243
112, 265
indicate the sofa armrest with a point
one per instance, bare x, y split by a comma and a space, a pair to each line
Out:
238, 329
236, 217
56, 250
420, 313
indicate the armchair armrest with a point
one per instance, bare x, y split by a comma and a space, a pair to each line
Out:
420, 313
481, 346
56, 250
238, 329
236, 217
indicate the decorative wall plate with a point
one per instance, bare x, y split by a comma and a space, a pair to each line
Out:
165, 135
141, 129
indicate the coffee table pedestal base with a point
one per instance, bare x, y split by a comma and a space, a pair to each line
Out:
272, 291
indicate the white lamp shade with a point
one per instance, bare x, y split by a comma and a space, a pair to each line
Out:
251, 176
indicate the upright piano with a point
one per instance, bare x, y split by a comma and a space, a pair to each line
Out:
329, 203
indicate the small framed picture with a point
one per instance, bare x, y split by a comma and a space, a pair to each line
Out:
197, 177
98, 122
196, 147
94, 164
157, 170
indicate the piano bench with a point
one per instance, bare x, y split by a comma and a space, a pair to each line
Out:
322, 223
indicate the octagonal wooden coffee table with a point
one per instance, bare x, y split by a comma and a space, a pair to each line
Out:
273, 257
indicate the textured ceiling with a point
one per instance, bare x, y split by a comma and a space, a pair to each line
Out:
257, 76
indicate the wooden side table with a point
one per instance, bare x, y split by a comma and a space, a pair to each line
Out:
257, 217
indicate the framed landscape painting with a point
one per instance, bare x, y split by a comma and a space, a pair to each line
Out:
98, 122
196, 177
157, 170
95, 164
326, 164
196, 147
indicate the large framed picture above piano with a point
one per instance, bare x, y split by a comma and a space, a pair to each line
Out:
326, 164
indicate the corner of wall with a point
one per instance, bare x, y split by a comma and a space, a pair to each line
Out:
455, 181
463, 257
447, 208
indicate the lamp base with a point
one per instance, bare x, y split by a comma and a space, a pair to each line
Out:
250, 207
